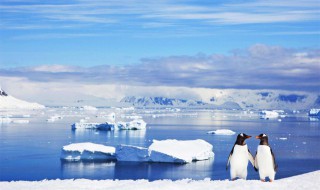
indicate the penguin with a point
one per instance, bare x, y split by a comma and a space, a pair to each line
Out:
265, 160
238, 158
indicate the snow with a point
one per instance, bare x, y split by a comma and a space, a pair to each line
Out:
308, 181
10, 102
222, 132
87, 151
180, 151
171, 151
132, 125
99, 126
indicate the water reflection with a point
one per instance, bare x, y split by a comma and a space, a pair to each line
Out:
137, 170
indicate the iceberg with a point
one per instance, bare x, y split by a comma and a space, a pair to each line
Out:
170, 151
314, 112
87, 151
180, 151
132, 125
268, 114
99, 126
5, 120
222, 132
54, 118
132, 153
20, 121
88, 108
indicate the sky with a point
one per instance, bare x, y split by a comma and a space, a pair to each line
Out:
184, 43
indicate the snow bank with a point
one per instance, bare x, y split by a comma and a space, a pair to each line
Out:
99, 126
172, 151
87, 151
132, 125
222, 132
308, 181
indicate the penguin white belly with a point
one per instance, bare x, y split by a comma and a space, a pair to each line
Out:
239, 162
265, 162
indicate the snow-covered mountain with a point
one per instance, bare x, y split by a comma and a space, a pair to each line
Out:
10, 102
175, 102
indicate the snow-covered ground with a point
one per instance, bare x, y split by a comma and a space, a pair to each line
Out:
308, 181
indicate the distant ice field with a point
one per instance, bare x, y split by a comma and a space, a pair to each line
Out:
31, 151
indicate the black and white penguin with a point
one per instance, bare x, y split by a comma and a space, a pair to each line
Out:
265, 161
238, 158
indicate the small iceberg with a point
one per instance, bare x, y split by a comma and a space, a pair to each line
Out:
5, 120
87, 151
170, 151
222, 132
99, 126
20, 121
54, 118
136, 124
88, 108
314, 112
268, 114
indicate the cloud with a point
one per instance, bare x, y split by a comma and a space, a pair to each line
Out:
139, 13
257, 67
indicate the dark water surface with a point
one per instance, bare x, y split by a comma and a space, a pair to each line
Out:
32, 151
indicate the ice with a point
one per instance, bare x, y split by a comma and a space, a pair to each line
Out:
54, 118
99, 126
10, 102
132, 125
88, 108
87, 151
20, 121
5, 120
180, 151
314, 112
171, 151
283, 138
268, 114
222, 132
132, 153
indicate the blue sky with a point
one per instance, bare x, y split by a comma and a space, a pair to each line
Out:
266, 44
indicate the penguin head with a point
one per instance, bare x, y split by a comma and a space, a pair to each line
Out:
263, 139
241, 138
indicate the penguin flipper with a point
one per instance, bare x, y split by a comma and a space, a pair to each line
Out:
251, 159
275, 165
256, 167
228, 162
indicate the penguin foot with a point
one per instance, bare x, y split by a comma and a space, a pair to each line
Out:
233, 179
263, 180
270, 180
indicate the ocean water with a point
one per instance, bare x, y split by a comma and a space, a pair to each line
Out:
31, 151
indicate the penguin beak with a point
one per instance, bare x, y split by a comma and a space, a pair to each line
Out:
248, 137
257, 137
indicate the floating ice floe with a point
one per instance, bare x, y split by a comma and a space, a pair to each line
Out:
99, 126
171, 151
314, 112
268, 114
20, 121
88, 108
136, 124
222, 132
283, 138
54, 118
87, 151
5, 120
